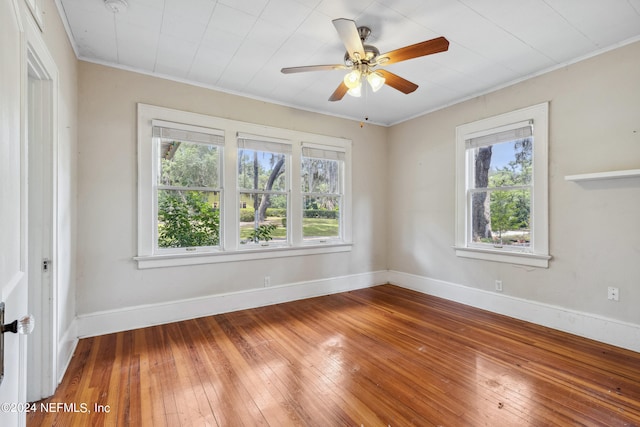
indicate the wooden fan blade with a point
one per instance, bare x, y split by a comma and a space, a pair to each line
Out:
397, 82
306, 68
427, 47
348, 32
339, 93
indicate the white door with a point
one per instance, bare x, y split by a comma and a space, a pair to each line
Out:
13, 244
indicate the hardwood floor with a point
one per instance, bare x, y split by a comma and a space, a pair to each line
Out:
383, 356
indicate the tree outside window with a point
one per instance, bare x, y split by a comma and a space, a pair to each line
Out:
263, 191
188, 190
322, 193
501, 197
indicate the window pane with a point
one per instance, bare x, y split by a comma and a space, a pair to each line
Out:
263, 218
501, 218
320, 176
188, 164
321, 217
504, 164
261, 170
188, 218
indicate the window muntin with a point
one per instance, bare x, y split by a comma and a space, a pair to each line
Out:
517, 184
188, 188
263, 189
500, 187
322, 189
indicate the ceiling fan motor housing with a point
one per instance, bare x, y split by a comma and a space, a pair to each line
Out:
370, 52
370, 55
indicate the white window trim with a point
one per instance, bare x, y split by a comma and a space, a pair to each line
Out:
230, 249
539, 257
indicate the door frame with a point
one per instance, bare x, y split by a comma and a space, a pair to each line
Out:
40, 122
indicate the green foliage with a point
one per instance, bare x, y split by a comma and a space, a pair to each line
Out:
186, 219
262, 233
192, 165
277, 212
247, 215
320, 175
502, 211
510, 209
277, 202
328, 202
320, 213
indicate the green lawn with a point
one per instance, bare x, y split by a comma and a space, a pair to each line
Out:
320, 227
311, 227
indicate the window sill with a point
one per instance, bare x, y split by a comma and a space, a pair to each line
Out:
176, 260
520, 258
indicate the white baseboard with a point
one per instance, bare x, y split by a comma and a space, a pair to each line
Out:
599, 328
105, 322
66, 347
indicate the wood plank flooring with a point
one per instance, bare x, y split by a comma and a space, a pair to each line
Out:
383, 356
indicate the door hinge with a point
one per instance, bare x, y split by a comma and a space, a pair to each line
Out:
46, 265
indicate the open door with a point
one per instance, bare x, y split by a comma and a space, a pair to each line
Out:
13, 241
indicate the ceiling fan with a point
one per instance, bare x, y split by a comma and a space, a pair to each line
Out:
363, 60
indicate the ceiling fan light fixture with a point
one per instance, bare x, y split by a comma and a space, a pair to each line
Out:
376, 81
116, 6
352, 79
356, 92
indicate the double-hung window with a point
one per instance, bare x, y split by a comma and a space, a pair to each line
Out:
502, 188
214, 190
187, 187
322, 193
263, 190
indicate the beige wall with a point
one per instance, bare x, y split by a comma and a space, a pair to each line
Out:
108, 277
403, 192
594, 227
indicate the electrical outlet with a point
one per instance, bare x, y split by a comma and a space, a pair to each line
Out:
267, 281
499, 285
613, 294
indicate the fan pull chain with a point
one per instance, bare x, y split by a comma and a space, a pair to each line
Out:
366, 103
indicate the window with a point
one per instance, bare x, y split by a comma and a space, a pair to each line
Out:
263, 187
188, 187
501, 207
217, 190
322, 190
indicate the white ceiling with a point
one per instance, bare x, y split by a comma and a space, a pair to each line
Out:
239, 46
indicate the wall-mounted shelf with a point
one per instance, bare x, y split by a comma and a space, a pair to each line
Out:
604, 175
